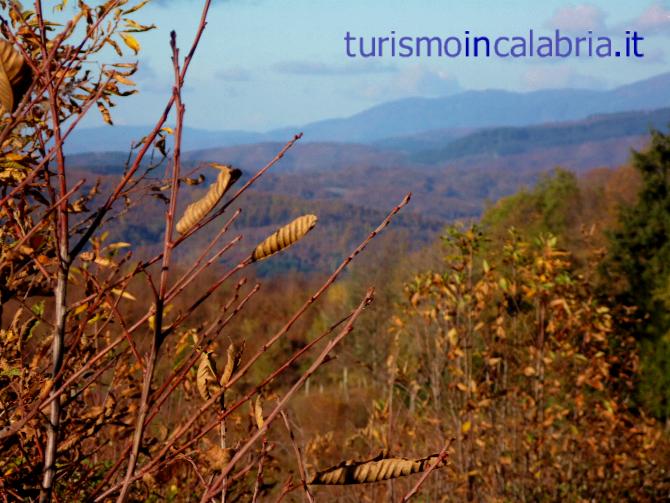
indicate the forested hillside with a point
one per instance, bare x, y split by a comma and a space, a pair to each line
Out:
326, 321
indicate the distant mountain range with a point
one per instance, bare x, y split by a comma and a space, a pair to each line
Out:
455, 154
599, 140
384, 124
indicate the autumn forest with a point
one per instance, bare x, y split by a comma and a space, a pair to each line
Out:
175, 328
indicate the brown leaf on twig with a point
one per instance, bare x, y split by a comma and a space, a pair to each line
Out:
206, 379
233, 360
373, 470
14, 75
196, 211
218, 457
258, 412
285, 237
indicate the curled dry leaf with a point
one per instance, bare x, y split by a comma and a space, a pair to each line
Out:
373, 470
197, 210
232, 362
258, 412
206, 379
194, 181
285, 237
218, 457
106, 115
14, 76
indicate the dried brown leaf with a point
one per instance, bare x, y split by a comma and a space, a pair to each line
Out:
13, 75
373, 470
233, 357
258, 412
285, 237
197, 210
206, 379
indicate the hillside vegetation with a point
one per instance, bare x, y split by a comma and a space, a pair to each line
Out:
175, 329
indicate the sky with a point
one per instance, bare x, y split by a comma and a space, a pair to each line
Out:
265, 64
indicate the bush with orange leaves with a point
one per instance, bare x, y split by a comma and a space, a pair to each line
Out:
514, 354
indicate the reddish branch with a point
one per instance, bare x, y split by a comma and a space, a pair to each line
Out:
299, 460
440, 459
216, 486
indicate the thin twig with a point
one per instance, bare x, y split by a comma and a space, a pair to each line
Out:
158, 335
440, 459
320, 292
259, 475
186, 427
298, 456
289, 394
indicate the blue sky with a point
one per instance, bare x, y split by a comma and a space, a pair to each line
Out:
264, 64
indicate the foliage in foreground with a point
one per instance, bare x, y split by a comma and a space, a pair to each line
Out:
512, 351
91, 374
142, 379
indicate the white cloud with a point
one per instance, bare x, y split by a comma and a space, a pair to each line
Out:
578, 18
319, 68
234, 74
412, 81
654, 19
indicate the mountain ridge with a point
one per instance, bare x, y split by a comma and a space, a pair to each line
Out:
411, 116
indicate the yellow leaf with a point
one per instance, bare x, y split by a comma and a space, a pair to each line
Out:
452, 336
123, 80
137, 27
233, 359
116, 246
131, 42
206, 379
106, 116
467, 426
104, 262
123, 294
197, 210
258, 412
374, 470
136, 7
81, 309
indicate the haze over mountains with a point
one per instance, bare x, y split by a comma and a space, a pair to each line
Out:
456, 154
411, 116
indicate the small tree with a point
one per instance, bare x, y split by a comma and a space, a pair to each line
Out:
510, 350
640, 254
